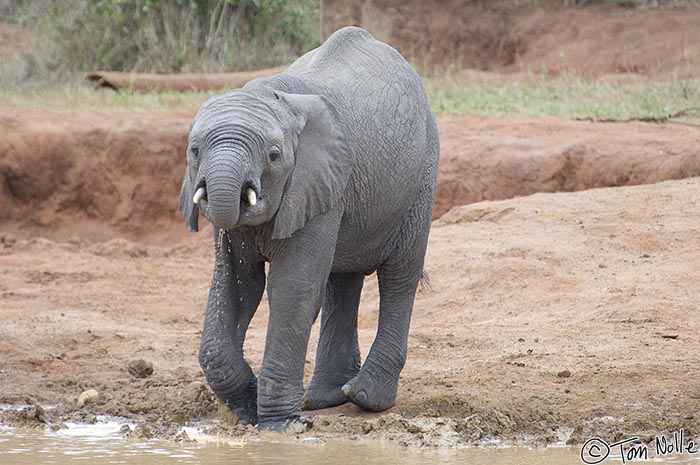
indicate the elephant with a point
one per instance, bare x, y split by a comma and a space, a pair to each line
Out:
324, 173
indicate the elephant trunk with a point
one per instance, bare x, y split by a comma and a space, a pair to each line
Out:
225, 184
226, 371
229, 310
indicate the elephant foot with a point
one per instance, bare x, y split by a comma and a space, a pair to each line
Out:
246, 415
371, 394
317, 397
288, 426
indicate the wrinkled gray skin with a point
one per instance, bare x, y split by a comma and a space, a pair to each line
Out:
342, 152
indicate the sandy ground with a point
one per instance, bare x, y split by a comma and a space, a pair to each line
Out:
551, 317
554, 316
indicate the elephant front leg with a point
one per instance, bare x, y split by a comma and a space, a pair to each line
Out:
234, 296
298, 274
280, 386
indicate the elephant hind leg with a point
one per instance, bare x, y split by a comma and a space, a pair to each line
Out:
338, 353
375, 386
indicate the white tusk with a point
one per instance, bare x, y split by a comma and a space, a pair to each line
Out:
198, 195
252, 198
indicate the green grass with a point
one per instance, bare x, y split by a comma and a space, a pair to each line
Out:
79, 97
568, 97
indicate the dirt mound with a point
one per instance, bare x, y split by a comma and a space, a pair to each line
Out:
179, 82
107, 174
514, 36
96, 173
489, 159
543, 313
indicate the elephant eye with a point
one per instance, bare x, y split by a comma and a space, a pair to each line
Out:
195, 152
274, 154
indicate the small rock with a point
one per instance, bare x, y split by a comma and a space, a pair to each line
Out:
35, 414
140, 368
182, 436
87, 396
413, 428
179, 419
308, 422
503, 420
142, 432
564, 374
295, 427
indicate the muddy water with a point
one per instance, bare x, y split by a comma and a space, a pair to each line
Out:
102, 444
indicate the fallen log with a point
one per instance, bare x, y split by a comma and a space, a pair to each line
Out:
177, 82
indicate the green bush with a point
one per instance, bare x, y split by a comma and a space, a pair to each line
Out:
169, 35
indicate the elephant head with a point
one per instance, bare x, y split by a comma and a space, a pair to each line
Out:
255, 156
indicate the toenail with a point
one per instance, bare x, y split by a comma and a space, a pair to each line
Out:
361, 397
346, 389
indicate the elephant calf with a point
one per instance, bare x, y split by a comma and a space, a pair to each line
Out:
327, 171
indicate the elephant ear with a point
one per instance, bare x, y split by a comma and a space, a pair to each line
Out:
188, 208
323, 162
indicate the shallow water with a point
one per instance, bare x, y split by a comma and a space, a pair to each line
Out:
102, 444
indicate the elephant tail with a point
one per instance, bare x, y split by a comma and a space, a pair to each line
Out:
425, 281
